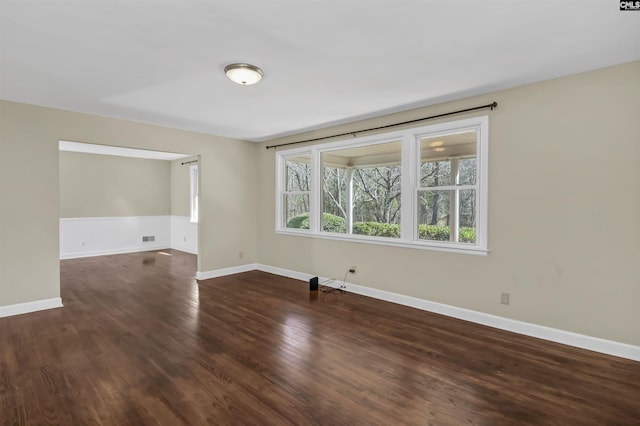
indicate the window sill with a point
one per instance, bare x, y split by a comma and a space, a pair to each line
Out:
363, 239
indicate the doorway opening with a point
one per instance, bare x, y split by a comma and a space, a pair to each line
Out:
121, 200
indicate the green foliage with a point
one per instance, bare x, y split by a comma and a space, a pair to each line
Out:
441, 233
301, 221
425, 232
333, 223
467, 235
377, 229
330, 222
433, 232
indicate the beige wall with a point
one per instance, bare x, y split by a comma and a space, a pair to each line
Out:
105, 186
29, 265
29, 195
564, 201
181, 187
564, 213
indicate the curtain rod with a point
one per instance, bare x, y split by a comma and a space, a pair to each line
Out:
355, 132
188, 162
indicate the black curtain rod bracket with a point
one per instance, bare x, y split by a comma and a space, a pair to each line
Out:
355, 132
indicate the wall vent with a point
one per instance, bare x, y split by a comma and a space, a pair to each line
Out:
147, 238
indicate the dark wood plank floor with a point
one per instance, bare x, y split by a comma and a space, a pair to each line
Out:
140, 342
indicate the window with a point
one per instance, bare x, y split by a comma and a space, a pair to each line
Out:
296, 196
424, 187
193, 191
361, 190
447, 187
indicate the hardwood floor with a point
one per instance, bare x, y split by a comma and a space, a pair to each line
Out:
139, 342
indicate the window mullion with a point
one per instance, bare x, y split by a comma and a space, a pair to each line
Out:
408, 216
315, 200
349, 210
454, 203
280, 186
482, 183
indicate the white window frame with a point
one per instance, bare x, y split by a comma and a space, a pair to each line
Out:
194, 192
281, 190
410, 166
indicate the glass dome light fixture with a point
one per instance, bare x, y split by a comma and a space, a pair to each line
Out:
245, 74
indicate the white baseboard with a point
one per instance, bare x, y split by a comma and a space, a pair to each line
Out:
582, 341
25, 308
529, 329
226, 271
111, 251
285, 272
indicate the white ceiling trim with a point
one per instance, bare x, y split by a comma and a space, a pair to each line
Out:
89, 148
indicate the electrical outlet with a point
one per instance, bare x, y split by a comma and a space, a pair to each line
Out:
185, 238
241, 254
504, 298
352, 270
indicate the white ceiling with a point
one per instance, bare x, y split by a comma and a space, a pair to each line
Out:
325, 62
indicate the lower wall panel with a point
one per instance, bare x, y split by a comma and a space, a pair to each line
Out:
96, 236
184, 234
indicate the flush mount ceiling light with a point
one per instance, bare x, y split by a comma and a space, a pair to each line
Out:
244, 74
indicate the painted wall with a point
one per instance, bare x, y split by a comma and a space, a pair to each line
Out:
184, 233
180, 187
563, 216
29, 194
108, 203
29, 266
94, 185
564, 213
